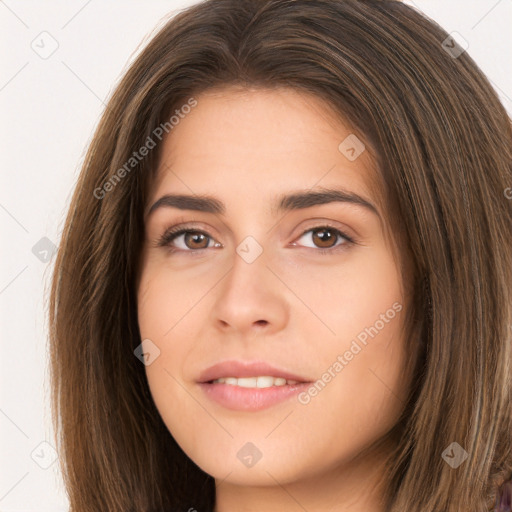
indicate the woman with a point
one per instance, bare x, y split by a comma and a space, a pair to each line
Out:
339, 337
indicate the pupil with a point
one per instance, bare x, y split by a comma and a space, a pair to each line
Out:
324, 238
194, 236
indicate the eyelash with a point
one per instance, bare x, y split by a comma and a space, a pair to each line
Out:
172, 233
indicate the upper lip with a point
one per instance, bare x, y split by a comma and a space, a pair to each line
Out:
246, 369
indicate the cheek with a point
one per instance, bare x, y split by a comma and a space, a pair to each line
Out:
346, 297
159, 311
360, 390
165, 307
355, 401
157, 303
168, 298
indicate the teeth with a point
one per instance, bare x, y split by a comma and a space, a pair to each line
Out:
249, 382
265, 382
255, 382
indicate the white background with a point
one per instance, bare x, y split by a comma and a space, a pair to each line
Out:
49, 110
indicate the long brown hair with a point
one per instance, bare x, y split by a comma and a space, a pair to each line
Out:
442, 142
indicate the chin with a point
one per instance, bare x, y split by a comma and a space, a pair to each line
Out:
259, 463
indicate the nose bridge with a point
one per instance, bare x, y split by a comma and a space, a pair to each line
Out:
250, 292
247, 277
250, 256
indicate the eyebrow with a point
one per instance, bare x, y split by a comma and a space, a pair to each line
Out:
287, 202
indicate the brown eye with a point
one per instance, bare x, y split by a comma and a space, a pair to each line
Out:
193, 240
326, 237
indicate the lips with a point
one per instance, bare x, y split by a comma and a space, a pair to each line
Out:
240, 369
232, 385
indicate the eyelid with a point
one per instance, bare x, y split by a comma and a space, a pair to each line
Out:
347, 242
323, 223
315, 222
177, 230
170, 234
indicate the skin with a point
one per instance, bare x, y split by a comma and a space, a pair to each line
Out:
293, 307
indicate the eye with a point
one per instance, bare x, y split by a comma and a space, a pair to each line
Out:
326, 238
191, 239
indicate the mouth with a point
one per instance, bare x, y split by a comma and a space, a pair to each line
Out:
249, 386
261, 382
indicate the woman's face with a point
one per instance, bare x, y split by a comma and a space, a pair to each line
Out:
270, 274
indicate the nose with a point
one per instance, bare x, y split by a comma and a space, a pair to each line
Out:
250, 298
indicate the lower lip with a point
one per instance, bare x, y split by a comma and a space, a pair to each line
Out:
250, 399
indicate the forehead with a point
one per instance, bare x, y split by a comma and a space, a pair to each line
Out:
266, 121
262, 142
